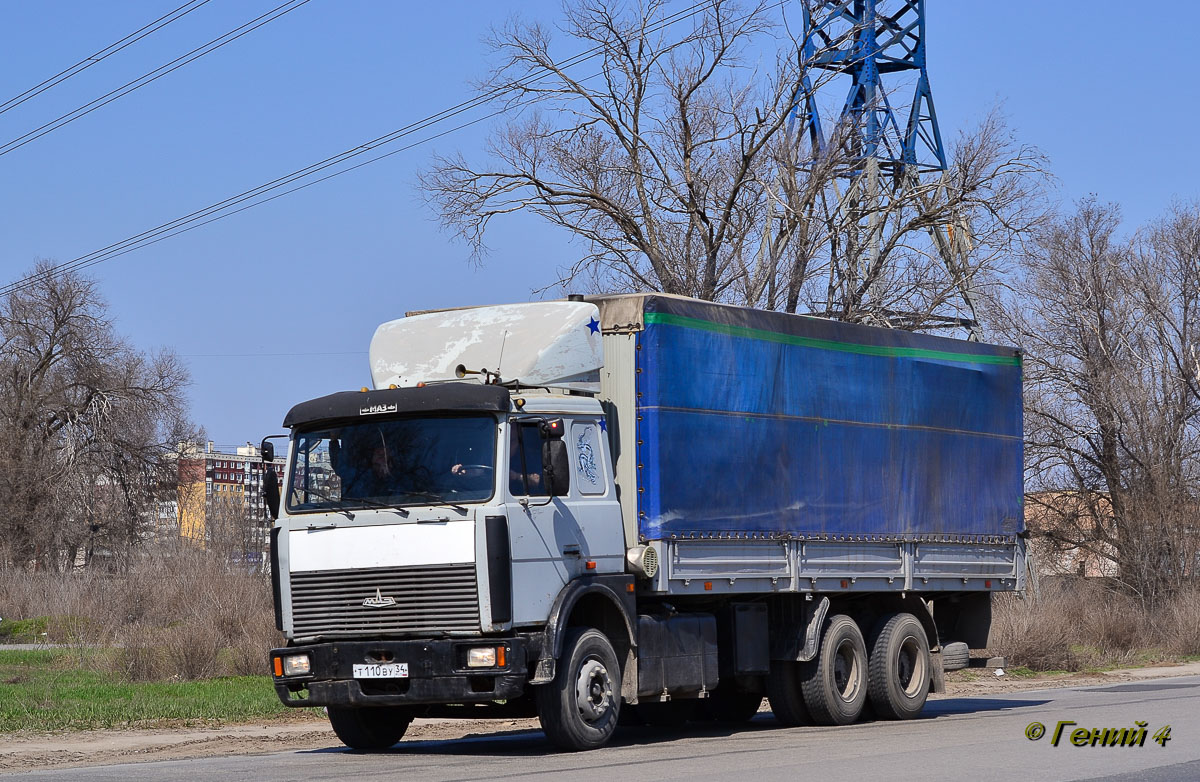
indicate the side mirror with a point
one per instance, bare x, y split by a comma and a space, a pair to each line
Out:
270, 478
556, 467
271, 492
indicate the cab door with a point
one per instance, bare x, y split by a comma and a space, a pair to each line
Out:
545, 539
593, 496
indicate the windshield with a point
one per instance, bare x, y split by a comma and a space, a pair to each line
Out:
406, 461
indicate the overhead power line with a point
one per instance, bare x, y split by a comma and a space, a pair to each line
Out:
219, 214
218, 211
104, 53
151, 76
266, 192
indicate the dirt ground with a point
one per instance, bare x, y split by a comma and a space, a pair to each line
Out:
38, 751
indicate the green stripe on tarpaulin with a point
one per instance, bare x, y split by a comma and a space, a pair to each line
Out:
667, 319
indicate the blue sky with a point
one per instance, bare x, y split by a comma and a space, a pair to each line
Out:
278, 304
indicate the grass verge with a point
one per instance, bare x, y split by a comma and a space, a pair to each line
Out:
48, 691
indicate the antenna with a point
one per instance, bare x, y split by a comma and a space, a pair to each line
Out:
500, 360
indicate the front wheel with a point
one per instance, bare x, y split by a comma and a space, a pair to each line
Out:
370, 728
579, 709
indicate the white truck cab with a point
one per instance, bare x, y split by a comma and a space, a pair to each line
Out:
410, 493
452, 504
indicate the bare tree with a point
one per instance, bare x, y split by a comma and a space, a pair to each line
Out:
1113, 444
673, 160
1168, 283
656, 159
234, 531
908, 258
84, 420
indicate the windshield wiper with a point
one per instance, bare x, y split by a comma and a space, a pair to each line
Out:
323, 496
377, 504
436, 498
349, 515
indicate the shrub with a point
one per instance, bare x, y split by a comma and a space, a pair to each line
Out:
184, 615
1076, 624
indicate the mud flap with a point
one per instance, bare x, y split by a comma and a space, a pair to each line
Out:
937, 678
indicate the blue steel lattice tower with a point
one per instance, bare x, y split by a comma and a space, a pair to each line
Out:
880, 46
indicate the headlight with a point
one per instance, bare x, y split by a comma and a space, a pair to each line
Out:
486, 657
483, 657
297, 665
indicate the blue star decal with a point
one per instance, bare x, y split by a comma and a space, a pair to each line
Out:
594, 325
603, 425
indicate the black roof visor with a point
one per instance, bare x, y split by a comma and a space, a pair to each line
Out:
435, 398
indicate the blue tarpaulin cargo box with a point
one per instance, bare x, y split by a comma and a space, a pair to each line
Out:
756, 423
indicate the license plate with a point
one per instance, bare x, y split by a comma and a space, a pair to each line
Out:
381, 671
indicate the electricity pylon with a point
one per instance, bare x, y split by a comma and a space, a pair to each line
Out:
871, 41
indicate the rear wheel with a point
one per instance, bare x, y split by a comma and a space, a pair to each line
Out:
370, 728
835, 684
785, 695
899, 668
579, 709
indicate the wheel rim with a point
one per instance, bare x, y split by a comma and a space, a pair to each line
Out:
847, 674
593, 691
910, 667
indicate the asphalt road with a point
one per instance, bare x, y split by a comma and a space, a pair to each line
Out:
975, 739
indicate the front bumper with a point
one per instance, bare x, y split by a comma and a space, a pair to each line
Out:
437, 673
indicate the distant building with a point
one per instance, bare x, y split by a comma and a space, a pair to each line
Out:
1065, 536
220, 500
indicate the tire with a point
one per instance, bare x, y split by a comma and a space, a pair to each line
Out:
955, 656
898, 669
369, 729
580, 708
835, 684
785, 695
730, 706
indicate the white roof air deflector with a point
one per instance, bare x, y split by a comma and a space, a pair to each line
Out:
553, 343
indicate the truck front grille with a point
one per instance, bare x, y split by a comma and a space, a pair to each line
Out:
428, 600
